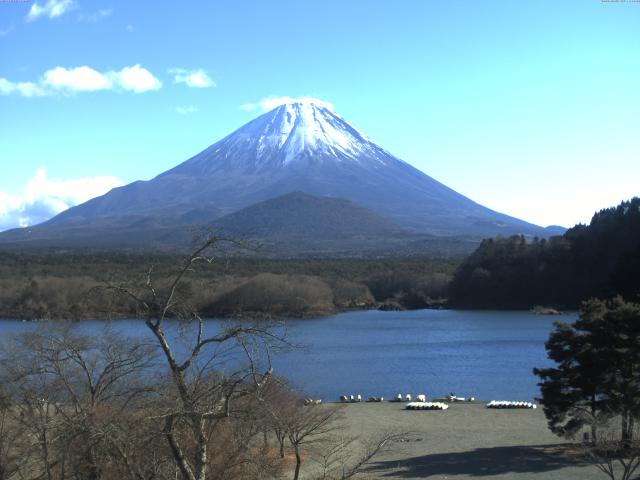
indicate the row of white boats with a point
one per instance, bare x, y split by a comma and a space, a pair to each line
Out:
421, 402
499, 404
509, 404
426, 406
406, 398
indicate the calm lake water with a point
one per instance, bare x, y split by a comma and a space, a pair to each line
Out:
486, 354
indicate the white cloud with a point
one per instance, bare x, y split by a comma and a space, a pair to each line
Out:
42, 198
51, 9
186, 109
83, 79
269, 103
192, 78
79, 79
94, 17
129, 28
136, 79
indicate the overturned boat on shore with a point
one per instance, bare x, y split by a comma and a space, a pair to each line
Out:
426, 406
500, 404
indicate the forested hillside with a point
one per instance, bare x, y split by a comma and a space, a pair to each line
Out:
601, 259
35, 286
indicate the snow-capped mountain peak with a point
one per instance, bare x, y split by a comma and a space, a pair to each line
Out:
293, 134
305, 127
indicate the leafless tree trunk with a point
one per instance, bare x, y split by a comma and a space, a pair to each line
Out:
340, 460
199, 403
616, 456
307, 425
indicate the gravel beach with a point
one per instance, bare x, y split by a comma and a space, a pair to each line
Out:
467, 441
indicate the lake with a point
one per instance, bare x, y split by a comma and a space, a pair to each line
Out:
485, 354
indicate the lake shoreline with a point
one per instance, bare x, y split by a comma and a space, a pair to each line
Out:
257, 316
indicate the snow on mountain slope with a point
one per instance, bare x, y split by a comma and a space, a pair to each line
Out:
300, 132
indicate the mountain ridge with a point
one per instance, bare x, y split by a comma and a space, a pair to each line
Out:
296, 147
293, 225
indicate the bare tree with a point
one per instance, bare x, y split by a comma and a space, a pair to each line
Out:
316, 431
203, 388
35, 415
278, 403
11, 455
69, 393
616, 458
307, 426
341, 459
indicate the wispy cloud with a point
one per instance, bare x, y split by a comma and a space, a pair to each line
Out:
192, 78
186, 109
41, 198
271, 102
51, 9
25, 89
6, 31
129, 28
61, 80
94, 17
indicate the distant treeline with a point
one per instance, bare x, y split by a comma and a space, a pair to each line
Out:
64, 285
599, 260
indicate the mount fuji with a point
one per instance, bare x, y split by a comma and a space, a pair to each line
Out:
297, 147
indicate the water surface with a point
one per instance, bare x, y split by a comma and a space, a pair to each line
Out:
486, 354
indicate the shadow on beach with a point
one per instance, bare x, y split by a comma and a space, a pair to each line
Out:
481, 462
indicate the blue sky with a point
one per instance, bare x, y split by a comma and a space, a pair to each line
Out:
528, 107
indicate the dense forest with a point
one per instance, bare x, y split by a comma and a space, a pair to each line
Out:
601, 260
61, 285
